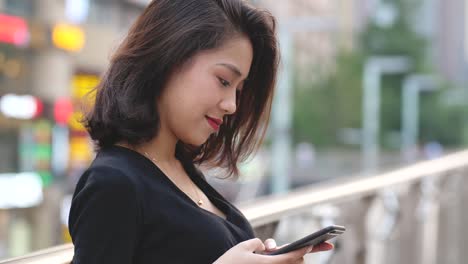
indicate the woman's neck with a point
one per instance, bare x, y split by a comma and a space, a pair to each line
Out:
161, 148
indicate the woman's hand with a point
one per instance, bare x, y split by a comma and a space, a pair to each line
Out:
270, 245
245, 253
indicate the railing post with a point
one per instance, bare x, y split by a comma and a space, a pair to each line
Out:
428, 213
326, 215
381, 223
464, 215
451, 215
4, 219
408, 235
352, 249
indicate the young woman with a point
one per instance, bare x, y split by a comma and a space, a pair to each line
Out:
191, 84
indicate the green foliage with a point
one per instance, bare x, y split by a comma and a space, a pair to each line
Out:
399, 39
326, 104
441, 122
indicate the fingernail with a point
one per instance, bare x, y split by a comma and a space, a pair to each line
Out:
270, 244
310, 249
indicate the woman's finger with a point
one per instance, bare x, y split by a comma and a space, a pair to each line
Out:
325, 246
295, 256
270, 244
254, 245
300, 261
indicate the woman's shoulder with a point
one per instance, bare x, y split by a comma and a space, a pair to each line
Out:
106, 198
113, 166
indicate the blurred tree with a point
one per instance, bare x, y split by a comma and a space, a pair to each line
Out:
326, 104
440, 120
331, 102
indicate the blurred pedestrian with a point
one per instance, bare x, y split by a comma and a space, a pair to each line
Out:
305, 155
191, 84
433, 149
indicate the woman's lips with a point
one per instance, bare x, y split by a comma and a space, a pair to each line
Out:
214, 122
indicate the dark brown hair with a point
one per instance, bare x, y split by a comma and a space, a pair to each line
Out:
166, 35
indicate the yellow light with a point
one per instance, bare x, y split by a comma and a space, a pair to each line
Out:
75, 122
68, 37
83, 84
80, 149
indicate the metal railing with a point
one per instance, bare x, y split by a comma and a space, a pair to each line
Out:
56, 255
410, 215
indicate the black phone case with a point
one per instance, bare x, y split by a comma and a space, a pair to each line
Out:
313, 239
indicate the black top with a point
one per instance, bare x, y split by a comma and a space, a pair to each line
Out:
125, 210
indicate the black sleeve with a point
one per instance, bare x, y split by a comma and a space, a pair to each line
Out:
104, 218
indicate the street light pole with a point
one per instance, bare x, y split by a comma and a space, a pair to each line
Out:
374, 68
281, 119
412, 86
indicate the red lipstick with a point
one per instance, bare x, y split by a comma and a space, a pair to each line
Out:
214, 122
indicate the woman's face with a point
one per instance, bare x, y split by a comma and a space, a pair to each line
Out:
202, 92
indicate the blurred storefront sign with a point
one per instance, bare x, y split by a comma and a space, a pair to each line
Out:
39, 35
64, 213
83, 84
10, 66
60, 150
35, 149
20, 106
80, 148
42, 154
63, 110
81, 151
20, 190
14, 30
68, 37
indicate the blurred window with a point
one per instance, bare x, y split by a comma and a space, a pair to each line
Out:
130, 12
23, 8
14, 70
8, 147
104, 12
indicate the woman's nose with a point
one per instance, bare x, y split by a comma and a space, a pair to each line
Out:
228, 104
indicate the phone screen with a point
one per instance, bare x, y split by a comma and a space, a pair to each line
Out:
313, 239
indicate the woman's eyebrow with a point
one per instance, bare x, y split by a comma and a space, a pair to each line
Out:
231, 67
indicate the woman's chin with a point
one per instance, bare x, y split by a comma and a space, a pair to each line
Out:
196, 142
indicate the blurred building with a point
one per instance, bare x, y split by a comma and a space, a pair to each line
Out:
52, 53
55, 50
319, 29
451, 39
445, 25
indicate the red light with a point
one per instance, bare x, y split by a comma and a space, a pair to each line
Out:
63, 110
13, 30
39, 108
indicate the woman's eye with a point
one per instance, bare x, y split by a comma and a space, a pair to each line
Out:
224, 82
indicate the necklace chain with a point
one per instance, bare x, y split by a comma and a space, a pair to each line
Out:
199, 200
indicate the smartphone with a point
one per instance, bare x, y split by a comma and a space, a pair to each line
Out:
311, 240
